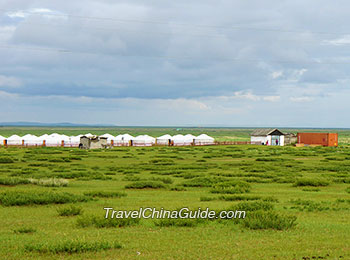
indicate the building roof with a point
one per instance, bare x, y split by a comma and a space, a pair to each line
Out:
265, 131
204, 137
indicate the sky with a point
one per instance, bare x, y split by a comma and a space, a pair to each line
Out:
176, 63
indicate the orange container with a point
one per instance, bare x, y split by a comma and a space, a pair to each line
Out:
325, 139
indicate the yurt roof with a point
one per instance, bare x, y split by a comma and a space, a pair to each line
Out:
14, 137
166, 136
178, 137
204, 137
189, 136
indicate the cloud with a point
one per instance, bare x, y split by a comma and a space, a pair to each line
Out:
272, 98
131, 57
301, 99
9, 81
248, 95
276, 74
345, 40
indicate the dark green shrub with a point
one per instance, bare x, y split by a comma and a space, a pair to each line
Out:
167, 180
105, 194
145, 185
252, 206
311, 189
6, 160
70, 211
25, 230
200, 182
231, 187
311, 182
178, 222
238, 197
309, 205
178, 188
59, 159
13, 181
207, 198
268, 220
71, 247
101, 222
19, 198
267, 159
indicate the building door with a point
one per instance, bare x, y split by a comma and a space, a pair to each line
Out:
275, 140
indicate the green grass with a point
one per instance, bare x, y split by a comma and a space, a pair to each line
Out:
101, 222
25, 230
297, 199
311, 182
21, 198
71, 247
105, 194
69, 211
268, 220
145, 185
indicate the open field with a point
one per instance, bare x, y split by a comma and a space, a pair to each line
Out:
52, 200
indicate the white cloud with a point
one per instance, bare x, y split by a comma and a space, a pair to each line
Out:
9, 81
44, 12
338, 42
272, 98
301, 99
248, 95
276, 74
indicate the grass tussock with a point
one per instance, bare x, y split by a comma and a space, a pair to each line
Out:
70, 211
178, 188
310, 206
101, 222
70, 247
313, 189
24, 230
8, 181
200, 182
310, 182
22, 198
145, 185
185, 222
165, 180
105, 194
252, 206
231, 187
205, 198
6, 160
268, 220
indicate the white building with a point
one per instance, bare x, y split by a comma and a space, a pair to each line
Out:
267, 136
164, 140
204, 139
143, 140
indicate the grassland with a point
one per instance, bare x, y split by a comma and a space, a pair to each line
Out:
52, 200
